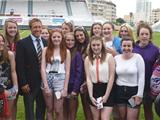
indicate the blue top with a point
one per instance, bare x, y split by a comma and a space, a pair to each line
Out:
76, 73
149, 53
117, 44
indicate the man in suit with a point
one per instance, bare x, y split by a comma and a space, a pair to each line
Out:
28, 58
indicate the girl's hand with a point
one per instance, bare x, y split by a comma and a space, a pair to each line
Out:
64, 93
7, 93
15, 87
45, 86
83, 88
93, 100
111, 51
73, 93
104, 99
48, 92
137, 100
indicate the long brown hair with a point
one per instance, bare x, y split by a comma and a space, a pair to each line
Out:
94, 24
5, 56
50, 48
17, 36
82, 47
103, 50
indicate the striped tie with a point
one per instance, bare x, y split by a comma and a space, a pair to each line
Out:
39, 51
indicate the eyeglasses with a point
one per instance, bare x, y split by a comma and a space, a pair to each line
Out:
70, 23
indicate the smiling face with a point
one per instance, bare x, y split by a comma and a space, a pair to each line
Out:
65, 29
36, 29
127, 47
97, 30
1, 43
123, 31
144, 36
70, 41
56, 38
45, 34
12, 29
80, 36
96, 46
107, 31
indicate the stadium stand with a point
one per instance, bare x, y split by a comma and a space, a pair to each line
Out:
30, 7
51, 12
18, 7
80, 13
49, 8
3, 6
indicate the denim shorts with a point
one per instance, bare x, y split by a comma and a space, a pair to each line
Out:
56, 81
124, 93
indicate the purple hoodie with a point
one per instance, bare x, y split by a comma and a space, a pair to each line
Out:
149, 54
76, 73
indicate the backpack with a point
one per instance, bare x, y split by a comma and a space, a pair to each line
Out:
155, 79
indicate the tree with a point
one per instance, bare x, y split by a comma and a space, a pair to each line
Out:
120, 21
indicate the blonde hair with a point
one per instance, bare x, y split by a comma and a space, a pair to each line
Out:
129, 30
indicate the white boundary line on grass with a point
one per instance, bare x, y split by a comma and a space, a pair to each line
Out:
21, 33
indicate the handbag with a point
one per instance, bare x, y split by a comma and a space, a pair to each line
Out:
4, 111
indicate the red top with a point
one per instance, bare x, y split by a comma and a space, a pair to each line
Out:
12, 47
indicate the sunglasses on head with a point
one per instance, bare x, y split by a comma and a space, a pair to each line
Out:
124, 31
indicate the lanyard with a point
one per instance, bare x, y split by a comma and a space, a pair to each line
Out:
97, 69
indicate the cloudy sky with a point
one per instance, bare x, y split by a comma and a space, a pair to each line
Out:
124, 7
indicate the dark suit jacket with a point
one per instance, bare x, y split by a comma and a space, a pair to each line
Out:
28, 69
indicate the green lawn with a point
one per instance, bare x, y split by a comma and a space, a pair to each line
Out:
20, 110
80, 116
156, 38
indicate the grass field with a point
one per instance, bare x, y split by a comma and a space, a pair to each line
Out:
80, 116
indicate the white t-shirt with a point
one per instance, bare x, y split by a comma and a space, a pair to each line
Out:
109, 44
131, 72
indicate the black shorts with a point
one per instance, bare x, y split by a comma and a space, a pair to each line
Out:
99, 90
124, 93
